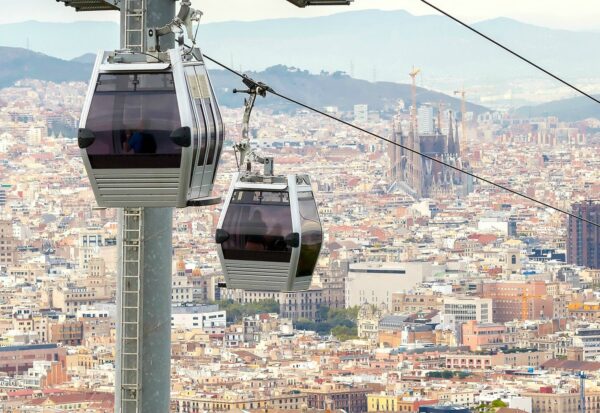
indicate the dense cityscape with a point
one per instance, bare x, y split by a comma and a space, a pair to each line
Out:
432, 288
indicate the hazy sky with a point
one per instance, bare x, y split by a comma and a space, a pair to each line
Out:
571, 14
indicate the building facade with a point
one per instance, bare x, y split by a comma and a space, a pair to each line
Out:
8, 245
375, 282
583, 239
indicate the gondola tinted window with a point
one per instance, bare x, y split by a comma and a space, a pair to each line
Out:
258, 223
132, 116
312, 234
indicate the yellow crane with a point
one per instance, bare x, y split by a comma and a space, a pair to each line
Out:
463, 109
413, 74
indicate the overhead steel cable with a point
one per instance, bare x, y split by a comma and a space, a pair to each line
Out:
414, 151
512, 52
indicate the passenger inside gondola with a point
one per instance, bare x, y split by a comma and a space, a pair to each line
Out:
139, 141
255, 240
257, 223
132, 116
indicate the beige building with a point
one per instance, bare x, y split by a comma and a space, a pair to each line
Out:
474, 361
414, 303
564, 402
97, 267
8, 245
70, 299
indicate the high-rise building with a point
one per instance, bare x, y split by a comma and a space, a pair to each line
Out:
583, 238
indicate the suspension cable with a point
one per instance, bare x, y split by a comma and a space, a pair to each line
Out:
512, 52
414, 151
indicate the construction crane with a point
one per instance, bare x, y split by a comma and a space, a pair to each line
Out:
463, 109
413, 115
414, 143
525, 304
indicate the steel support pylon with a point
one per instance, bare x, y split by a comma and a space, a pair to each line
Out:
143, 356
143, 347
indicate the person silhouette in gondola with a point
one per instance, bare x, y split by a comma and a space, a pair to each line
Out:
255, 241
139, 141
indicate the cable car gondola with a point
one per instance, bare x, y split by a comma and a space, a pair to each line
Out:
151, 132
269, 235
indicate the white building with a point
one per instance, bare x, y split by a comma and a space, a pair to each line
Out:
588, 339
374, 282
498, 224
459, 310
90, 241
204, 317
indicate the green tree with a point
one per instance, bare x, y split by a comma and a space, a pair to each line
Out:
344, 333
236, 311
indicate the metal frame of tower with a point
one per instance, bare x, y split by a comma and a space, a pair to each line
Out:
143, 359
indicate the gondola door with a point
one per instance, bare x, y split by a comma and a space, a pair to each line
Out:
210, 129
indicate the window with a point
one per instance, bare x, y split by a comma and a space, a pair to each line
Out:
257, 223
312, 234
132, 116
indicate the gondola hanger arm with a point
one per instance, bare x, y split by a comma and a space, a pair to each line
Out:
184, 20
247, 154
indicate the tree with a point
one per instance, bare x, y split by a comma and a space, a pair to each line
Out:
236, 311
344, 333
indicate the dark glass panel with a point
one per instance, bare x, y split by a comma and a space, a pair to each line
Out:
257, 223
312, 234
132, 117
203, 134
213, 133
221, 136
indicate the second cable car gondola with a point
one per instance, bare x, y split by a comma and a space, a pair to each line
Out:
151, 132
269, 235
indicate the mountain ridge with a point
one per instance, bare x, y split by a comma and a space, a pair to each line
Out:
323, 89
449, 55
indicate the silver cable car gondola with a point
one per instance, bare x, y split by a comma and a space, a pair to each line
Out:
269, 234
151, 133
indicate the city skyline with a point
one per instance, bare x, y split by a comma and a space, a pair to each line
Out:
380, 249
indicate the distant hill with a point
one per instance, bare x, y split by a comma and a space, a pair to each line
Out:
368, 44
325, 89
569, 110
21, 64
328, 89
88, 58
